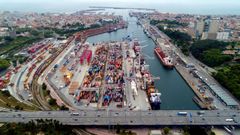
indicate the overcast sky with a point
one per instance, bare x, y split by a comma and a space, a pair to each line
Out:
217, 2
204, 6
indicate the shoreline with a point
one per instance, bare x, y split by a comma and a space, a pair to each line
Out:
198, 99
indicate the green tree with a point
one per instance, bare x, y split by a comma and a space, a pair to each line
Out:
35, 32
52, 101
186, 129
166, 130
210, 52
212, 133
44, 86
186, 133
17, 107
63, 107
48, 127
214, 57
8, 38
48, 92
200, 46
6, 93
118, 129
4, 64
229, 78
169, 23
94, 26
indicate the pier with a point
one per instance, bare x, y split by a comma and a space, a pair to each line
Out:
106, 7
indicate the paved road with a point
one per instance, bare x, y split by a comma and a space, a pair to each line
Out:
15, 78
162, 117
138, 100
15, 90
61, 99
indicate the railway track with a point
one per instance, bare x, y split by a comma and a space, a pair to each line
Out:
81, 132
40, 100
36, 88
19, 95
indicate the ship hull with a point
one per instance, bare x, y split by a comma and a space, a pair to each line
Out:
155, 105
169, 66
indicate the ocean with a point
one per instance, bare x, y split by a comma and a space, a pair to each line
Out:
191, 8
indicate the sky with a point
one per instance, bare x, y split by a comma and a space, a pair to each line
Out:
182, 6
231, 2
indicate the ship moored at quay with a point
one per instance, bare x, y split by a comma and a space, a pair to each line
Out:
148, 79
167, 61
165, 58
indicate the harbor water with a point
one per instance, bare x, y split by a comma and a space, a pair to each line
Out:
176, 94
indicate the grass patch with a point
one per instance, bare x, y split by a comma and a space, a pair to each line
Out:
16, 45
52, 102
8, 101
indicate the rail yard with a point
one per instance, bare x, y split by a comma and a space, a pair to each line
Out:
80, 75
91, 76
25, 81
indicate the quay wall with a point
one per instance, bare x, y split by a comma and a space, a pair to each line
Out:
186, 76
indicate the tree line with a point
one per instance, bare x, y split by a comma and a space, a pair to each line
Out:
4, 64
48, 127
229, 77
210, 52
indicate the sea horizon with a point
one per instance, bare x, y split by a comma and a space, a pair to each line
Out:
165, 8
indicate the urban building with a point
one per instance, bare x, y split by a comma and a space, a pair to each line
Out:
207, 35
222, 36
214, 26
199, 27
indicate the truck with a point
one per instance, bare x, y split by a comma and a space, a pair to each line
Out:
190, 119
200, 112
229, 120
75, 114
182, 113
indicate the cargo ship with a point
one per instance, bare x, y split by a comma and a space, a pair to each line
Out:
148, 80
166, 60
153, 95
81, 36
